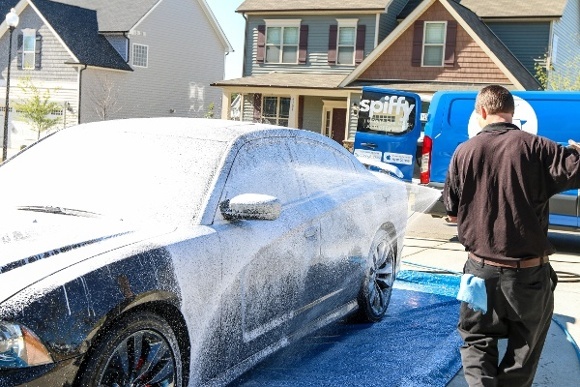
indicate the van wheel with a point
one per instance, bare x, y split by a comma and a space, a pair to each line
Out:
139, 350
375, 294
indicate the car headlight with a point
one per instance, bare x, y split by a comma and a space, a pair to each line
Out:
19, 347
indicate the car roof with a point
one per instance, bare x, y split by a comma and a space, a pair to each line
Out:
209, 129
202, 128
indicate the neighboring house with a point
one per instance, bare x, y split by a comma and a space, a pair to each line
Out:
109, 59
306, 62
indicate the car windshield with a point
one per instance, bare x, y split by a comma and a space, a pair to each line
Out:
133, 175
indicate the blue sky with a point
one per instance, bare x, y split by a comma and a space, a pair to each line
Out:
232, 24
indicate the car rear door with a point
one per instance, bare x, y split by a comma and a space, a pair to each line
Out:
335, 276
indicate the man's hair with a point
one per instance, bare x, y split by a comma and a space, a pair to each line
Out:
495, 99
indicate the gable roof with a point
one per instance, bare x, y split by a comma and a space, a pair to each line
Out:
504, 9
123, 15
115, 15
310, 5
78, 29
479, 31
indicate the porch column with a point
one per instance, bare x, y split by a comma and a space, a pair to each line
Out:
226, 105
294, 104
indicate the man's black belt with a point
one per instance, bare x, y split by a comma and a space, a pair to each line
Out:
519, 264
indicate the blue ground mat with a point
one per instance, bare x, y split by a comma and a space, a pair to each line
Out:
416, 344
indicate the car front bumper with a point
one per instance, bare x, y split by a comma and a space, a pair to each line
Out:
57, 374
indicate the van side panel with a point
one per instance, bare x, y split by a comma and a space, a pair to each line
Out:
447, 122
556, 113
550, 114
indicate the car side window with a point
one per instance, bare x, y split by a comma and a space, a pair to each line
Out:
322, 167
264, 166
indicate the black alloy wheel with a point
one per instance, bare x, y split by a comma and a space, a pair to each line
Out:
377, 288
140, 350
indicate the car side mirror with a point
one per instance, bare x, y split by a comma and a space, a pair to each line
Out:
251, 207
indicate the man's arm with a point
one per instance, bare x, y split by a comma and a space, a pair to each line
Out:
451, 192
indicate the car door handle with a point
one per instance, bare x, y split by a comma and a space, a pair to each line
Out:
371, 145
311, 232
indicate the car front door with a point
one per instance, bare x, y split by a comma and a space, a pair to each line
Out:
265, 261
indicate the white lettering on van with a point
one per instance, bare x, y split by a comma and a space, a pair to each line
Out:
394, 106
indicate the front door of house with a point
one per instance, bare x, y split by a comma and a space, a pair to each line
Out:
338, 125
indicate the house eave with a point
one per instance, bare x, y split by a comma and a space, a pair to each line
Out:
86, 65
357, 11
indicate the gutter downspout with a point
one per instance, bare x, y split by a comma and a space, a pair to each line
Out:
128, 48
245, 41
80, 93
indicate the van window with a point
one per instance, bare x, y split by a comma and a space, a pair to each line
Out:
386, 114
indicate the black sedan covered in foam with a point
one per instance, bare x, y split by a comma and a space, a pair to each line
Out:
176, 251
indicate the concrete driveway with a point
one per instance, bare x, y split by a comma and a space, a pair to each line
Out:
431, 245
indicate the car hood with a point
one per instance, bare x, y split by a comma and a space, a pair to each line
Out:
36, 245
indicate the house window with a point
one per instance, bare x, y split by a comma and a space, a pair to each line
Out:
434, 44
282, 41
282, 44
346, 41
28, 49
140, 55
276, 110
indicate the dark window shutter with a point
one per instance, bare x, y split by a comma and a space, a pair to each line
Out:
417, 43
261, 45
360, 44
19, 51
257, 107
301, 112
303, 49
38, 52
450, 43
332, 36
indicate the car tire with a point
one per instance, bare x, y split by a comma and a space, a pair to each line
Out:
140, 349
375, 294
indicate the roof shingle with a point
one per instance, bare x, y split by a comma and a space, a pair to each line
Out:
504, 8
310, 5
77, 27
287, 80
115, 15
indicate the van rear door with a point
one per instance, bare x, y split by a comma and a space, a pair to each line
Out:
389, 125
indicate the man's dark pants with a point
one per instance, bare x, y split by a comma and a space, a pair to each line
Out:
520, 303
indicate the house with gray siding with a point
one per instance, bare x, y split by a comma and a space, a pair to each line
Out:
293, 73
296, 54
111, 59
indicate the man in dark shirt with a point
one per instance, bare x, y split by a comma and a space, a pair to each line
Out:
497, 190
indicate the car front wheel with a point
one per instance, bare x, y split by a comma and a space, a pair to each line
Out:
377, 287
140, 350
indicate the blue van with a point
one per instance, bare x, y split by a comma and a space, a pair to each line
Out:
388, 127
451, 120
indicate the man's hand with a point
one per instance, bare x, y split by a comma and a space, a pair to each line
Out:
574, 145
451, 219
